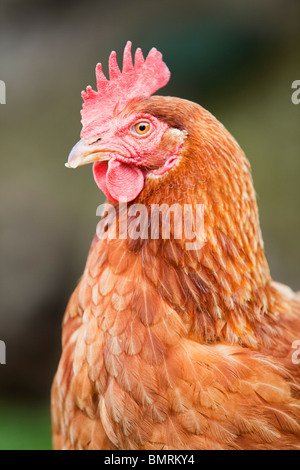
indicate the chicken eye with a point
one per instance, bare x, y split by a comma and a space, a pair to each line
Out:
141, 128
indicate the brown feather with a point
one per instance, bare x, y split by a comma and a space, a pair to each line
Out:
165, 348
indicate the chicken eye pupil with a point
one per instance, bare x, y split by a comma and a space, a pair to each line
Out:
141, 128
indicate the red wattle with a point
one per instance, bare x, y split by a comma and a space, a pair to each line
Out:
119, 181
100, 170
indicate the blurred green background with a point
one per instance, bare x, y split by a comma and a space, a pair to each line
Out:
236, 58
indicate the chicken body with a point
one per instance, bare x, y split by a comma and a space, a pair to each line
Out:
165, 348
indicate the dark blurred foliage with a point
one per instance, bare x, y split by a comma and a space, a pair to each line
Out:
238, 59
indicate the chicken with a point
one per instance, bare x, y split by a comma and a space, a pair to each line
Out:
164, 346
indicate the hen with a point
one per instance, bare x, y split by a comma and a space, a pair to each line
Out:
167, 345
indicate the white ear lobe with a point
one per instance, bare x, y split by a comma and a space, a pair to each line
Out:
176, 132
178, 135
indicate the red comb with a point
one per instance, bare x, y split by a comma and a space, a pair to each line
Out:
142, 79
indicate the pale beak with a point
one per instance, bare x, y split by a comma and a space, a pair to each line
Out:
83, 153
